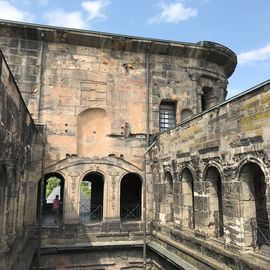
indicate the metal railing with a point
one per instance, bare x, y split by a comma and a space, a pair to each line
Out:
260, 233
91, 212
130, 212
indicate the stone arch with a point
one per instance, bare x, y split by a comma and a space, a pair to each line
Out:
57, 181
253, 200
91, 197
188, 211
93, 128
213, 179
186, 114
130, 197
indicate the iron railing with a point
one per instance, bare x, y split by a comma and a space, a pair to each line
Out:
130, 212
90, 212
260, 233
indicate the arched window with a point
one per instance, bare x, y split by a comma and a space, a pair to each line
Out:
91, 198
130, 197
167, 115
254, 201
188, 199
53, 188
214, 191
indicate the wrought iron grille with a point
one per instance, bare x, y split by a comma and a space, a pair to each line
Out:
130, 212
91, 212
260, 232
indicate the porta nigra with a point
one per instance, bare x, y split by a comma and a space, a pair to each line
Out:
153, 167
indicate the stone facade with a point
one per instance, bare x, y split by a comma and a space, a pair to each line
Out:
213, 162
104, 99
17, 134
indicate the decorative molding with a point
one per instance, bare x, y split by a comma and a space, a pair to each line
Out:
73, 176
113, 173
259, 154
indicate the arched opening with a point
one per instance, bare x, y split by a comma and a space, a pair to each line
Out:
2, 199
93, 127
254, 202
214, 191
53, 199
130, 197
186, 114
91, 197
169, 213
188, 199
208, 98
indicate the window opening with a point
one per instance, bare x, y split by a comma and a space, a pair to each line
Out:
215, 199
166, 115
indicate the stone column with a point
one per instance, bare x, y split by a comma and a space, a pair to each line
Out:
71, 211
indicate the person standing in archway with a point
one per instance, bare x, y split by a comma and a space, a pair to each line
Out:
56, 208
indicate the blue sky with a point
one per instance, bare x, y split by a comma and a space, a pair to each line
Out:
241, 25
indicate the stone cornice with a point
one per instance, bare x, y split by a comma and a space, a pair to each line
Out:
203, 50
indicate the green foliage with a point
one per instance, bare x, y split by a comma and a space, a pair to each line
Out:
86, 189
52, 183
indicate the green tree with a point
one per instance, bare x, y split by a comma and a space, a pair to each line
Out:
52, 183
86, 189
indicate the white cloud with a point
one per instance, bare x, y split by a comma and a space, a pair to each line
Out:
77, 19
60, 17
95, 9
255, 55
173, 13
10, 12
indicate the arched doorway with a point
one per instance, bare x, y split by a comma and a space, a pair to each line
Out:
91, 198
254, 202
214, 191
53, 188
130, 197
188, 199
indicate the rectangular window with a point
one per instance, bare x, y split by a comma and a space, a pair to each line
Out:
166, 115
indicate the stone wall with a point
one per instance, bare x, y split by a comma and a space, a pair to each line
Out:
212, 165
100, 96
16, 132
103, 257
93, 90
